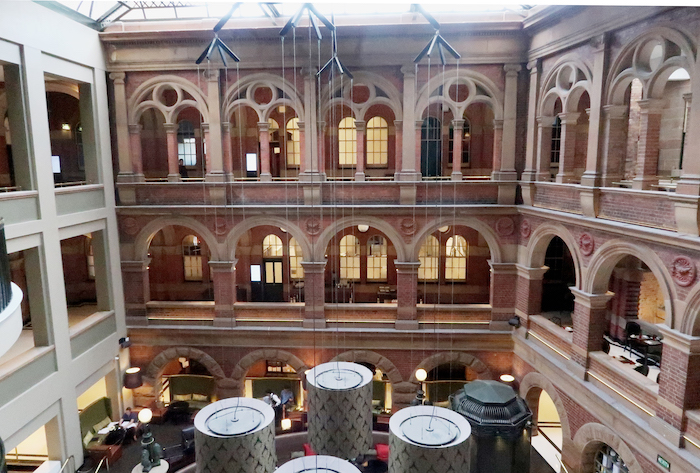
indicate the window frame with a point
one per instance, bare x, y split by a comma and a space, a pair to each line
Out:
382, 142
347, 134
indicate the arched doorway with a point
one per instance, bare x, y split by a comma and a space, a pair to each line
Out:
557, 299
547, 437
446, 379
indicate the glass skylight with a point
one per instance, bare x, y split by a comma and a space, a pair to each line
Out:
105, 12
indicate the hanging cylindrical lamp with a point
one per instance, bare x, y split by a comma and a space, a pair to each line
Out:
133, 378
429, 439
235, 435
340, 409
318, 464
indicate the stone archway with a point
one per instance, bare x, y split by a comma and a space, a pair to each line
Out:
466, 359
235, 386
591, 437
156, 367
530, 388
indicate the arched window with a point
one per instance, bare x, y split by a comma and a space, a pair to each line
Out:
456, 258
347, 142
377, 142
556, 144
431, 147
192, 258
272, 246
293, 143
186, 148
350, 258
429, 257
608, 460
376, 258
295, 257
273, 129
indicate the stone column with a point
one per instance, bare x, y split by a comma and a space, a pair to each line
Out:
530, 173
398, 147
121, 123
528, 300
506, 170
224, 282
591, 175
410, 160
457, 138
228, 152
678, 381
567, 153
689, 182
264, 137
646, 173
360, 128
314, 294
136, 290
215, 165
207, 155
504, 278
614, 143
135, 146
322, 147
497, 148
589, 327
406, 289
417, 131
304, 165
544, 148
310, 137
171, 139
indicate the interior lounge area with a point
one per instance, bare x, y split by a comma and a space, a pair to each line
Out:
238, 224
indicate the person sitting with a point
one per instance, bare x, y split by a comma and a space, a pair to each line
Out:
182, 168
287, 396
129, 423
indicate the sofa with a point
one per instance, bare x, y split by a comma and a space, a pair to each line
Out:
94, 418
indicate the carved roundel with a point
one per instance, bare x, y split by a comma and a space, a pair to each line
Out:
220, 225
505, 226
408, 226
313, 226
525, 229
131, 226
683, 271
587, 244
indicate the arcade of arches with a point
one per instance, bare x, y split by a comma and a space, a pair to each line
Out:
532, 213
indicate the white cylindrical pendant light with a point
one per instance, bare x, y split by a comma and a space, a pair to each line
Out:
340, 409
235, 435
318, 464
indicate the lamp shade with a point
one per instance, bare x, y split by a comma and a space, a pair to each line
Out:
133, 378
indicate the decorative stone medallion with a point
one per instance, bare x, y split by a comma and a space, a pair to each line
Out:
131, 226
587, 244
220, 225
683, 271
525, 229
505, 226
408, 226
313, 226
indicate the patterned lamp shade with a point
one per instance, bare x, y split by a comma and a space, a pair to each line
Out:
429, 439
318, 463
5, 278
340, 409
235, 435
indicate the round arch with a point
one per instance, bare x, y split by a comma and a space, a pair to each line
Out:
473, 223
156, 367
139, 101
530, 388
627, 64
247, 86
688, 322
539, 242
466, 359
241, 369
336, 227
473, 80
567, 80
374, 358
610, 253
249, 223
373, 82
144, 237
592, 436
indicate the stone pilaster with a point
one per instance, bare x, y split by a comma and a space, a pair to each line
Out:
314, 294
614, 143
406, 288
264, 138
224, 282
646, 174
136, 290
360, 129
589, 326
171, 140
530, 173
567, 153
504, 278
457, 139
135, 147
506, 170
528, 299
591, 175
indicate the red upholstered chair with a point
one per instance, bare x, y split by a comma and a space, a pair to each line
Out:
308, 451
382, 452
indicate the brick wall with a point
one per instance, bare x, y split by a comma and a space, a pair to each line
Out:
564, 198
654, 210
